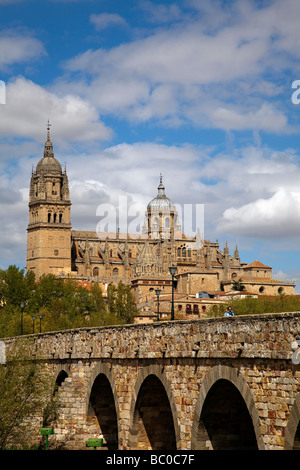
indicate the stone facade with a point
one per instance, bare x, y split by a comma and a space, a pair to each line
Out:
226, 383
49, 228
135, 259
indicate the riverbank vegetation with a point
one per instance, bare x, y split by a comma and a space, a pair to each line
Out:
50, 304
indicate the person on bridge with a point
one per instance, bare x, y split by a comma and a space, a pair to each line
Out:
229, 313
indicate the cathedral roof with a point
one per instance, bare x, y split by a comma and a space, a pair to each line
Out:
256, 264
161, 201
48, 164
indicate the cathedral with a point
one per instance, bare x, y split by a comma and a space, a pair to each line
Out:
205, 273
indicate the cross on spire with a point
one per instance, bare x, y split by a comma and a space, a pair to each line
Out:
48, 130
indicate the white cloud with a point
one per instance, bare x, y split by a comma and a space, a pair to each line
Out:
276, 217
28, 106
207, 69
267, 118
17, 46
104, 20
251, 193
135, 169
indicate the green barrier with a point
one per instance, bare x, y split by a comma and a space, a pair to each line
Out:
47, 432
95, 442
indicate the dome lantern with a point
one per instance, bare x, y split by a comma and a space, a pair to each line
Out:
48, 164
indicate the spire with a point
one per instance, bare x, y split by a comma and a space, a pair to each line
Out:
48, 151
48, 163
48, 130
161, 188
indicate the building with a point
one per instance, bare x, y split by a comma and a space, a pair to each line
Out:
204, 270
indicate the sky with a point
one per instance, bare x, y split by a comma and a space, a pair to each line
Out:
204, 92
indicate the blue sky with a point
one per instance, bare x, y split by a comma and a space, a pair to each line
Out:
198, 90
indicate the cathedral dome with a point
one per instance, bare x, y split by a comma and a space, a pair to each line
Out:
161, 201
48, 164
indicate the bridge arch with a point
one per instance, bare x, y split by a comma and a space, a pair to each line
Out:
222, 387
292, 432
61, 372
102, 410
153, 414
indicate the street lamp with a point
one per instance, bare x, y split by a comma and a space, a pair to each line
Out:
33, 318
172, 270
40, 317
22, 304
157, 292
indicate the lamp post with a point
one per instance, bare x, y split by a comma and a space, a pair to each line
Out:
40, 317
22, 309
33, 318
157, 292
172, 270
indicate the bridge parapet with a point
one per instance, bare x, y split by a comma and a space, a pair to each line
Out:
264, 336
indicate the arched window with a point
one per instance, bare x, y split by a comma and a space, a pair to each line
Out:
115, 272
49, 217
96, 272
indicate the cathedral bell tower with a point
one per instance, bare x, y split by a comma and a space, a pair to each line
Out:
49, 228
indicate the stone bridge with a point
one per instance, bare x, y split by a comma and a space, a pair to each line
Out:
225, 383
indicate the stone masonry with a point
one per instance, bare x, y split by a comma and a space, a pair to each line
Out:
186, 385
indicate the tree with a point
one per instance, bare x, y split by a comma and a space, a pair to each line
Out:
62, 303
46, 290
25, 390
15, 286
262, 304
121, 303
